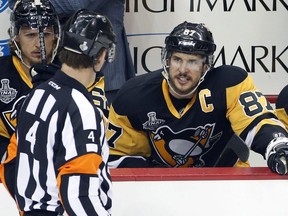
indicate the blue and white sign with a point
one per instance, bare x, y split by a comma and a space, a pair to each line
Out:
4, 48
5, 24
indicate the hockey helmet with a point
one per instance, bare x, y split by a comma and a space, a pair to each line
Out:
87, 32
26, 13
191, 38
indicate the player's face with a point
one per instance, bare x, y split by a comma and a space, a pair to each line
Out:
29, 43
185, 71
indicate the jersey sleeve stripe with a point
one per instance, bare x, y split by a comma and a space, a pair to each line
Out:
23, 177
73, 194
35, 100
86, 110
91, 147
68, 143
47, 107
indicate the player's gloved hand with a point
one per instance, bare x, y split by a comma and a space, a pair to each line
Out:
277, 155
42, 72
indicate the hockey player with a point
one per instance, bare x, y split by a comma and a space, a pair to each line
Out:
62, 150
30, 44
96, 88
282, 106
184, 114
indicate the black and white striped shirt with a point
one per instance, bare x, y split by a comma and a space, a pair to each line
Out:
62, 151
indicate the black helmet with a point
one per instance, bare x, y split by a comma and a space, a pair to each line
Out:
87, 32
191, 38
26, 13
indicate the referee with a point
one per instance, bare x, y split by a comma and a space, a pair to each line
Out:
62, 149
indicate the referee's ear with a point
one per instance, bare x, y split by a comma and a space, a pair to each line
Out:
100, 60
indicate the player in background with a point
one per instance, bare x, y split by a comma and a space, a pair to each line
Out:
282, 106
97, 89
122, 68
30, 44
62, 149
184, 114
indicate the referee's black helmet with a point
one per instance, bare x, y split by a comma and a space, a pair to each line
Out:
87, 33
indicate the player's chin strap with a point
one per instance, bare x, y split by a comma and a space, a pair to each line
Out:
189, 94
19, 54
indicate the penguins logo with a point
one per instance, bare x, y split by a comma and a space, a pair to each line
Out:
180, 149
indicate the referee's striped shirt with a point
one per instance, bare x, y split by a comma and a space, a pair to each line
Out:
62, 151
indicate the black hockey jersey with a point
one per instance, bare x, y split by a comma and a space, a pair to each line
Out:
146, 121
98, 94
282, 106
14, 85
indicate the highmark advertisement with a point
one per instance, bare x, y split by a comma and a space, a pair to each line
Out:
252, 34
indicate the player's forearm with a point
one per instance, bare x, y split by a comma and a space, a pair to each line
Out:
282, 114
264, 136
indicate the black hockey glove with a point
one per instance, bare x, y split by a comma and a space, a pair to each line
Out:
42, 72
277, 155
